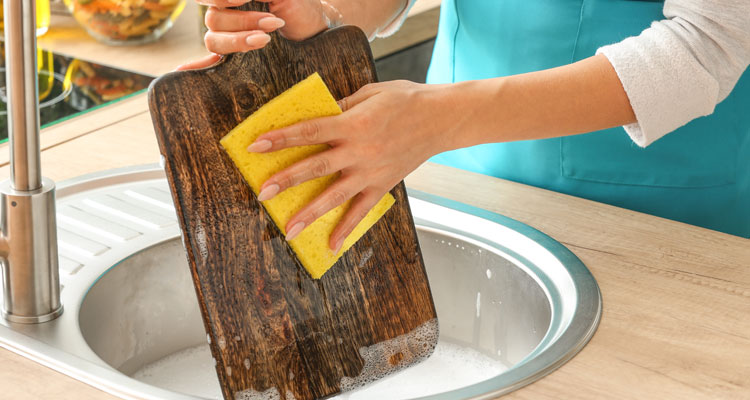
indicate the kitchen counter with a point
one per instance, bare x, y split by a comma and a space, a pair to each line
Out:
676, 319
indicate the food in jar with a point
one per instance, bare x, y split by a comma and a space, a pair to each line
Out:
122, 21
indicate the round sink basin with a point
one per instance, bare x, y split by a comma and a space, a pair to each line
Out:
512, 305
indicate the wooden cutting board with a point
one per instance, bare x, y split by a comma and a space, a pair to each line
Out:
273, 330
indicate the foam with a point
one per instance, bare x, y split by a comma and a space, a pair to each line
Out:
451, 366
200, 237
270, 394
190, 371
379, 357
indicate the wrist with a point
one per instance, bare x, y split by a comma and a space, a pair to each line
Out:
463, 112
442, 109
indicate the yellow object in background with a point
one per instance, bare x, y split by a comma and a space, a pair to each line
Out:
306, 100
46, 72
42, 16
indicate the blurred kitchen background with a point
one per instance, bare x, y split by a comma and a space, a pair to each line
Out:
116, 32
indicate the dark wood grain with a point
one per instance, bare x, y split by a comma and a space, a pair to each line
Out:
273, 329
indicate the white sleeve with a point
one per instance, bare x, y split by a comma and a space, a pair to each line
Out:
394, 25
681, 67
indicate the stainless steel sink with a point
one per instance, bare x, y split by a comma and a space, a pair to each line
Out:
501, 288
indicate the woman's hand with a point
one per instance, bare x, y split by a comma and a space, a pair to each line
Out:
386, 131
232, 31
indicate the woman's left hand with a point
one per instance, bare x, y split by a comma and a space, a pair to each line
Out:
386, 131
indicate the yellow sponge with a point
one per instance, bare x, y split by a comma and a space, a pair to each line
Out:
306, 100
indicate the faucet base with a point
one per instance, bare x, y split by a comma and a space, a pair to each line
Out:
28, 254
20, 319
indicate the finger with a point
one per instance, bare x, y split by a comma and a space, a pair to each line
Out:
321, 164
314, 131
222, 3
358, 210
335, 195
223, 20
364, 93
234, 42
204, 62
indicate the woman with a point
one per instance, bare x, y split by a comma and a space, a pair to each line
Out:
514, 84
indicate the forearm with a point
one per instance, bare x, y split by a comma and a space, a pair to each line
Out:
582, 97
370, 15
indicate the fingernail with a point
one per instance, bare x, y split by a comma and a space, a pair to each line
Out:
260, 146
269, 192
337, 248
258, 40
296, 229
270, 23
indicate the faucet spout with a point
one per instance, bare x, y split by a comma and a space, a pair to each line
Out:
28, 228
22, 87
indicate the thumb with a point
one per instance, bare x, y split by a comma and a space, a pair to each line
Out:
204, 62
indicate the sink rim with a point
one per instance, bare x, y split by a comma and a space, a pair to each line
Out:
554, 350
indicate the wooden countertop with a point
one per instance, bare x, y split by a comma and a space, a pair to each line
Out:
676, 320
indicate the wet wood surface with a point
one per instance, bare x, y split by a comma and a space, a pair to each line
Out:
272, 327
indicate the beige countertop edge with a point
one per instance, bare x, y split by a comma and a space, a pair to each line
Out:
87, 122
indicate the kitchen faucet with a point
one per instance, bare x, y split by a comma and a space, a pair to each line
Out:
28, 230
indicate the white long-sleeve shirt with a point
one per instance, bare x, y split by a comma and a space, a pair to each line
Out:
680, 67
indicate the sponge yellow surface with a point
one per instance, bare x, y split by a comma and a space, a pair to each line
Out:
306, 100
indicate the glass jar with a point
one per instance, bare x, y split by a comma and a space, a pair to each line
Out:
122, 22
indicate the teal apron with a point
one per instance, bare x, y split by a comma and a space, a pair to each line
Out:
698, 174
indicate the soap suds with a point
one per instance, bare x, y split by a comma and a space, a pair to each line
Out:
449, 367
200, 237
191, 371
379, 358
365, 258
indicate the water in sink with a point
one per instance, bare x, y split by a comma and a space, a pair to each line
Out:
142, 326
191, 371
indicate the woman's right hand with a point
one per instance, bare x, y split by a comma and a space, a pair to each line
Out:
232, 31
